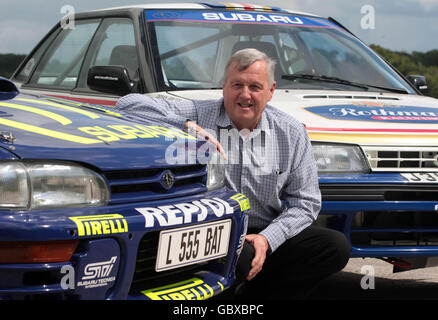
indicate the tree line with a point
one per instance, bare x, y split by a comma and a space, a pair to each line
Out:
9, 62
415, 63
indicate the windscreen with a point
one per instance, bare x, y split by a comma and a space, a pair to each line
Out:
192, 48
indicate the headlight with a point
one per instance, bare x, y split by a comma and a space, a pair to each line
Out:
50, 184
339, 158
215, 172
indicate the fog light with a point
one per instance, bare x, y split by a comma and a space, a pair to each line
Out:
37, 252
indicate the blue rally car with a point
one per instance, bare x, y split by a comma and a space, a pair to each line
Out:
93, 206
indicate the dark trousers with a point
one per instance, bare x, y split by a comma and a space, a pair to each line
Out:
295, 268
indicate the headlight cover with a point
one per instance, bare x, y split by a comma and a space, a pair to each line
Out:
339, 158
50, 184
215, 172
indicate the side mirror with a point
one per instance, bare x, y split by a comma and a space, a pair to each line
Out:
8, 90
419, 82
110, 79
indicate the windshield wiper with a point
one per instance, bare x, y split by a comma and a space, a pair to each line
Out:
323, 78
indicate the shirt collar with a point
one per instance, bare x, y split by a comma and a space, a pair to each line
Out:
224, 121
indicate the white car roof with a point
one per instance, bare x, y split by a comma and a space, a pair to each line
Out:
193, 5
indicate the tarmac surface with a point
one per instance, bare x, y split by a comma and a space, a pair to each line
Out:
373, 279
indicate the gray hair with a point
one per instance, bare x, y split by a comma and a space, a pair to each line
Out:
246, 57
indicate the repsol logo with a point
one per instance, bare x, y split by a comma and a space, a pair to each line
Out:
185, 212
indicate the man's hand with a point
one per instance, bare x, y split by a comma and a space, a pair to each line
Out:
261, 246
195, 130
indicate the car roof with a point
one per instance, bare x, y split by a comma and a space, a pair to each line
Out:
193, 5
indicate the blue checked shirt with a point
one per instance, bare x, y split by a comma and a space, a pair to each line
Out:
274, 166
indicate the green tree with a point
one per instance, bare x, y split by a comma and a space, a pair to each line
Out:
417, 63
9, 62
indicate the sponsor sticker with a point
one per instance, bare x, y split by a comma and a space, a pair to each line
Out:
98, 274
373, 112
184, 212
233, 17
192, 289
100, 224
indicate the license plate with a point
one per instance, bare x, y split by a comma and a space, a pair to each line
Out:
188, 245
423, 177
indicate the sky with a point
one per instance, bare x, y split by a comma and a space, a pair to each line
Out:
399, 25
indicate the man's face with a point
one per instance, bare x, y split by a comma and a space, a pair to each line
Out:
246, 94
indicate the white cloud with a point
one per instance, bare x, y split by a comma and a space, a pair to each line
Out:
20, 36
428, 5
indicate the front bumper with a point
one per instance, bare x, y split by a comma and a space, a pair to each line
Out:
115, 258
382, 214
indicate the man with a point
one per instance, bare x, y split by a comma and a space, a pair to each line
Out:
284, 256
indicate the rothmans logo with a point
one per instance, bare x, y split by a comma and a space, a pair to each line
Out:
377, 113
167, 179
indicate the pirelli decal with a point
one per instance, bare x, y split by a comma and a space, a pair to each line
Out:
242, 200
100, 224
192, 289
103, 132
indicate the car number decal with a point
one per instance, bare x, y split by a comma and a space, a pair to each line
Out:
421, 177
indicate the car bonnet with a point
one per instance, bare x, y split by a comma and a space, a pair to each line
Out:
354, 116
45, 128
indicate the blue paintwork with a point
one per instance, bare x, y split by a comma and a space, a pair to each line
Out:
119, 250
347, 210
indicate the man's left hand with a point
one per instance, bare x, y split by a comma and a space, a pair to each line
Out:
261, 246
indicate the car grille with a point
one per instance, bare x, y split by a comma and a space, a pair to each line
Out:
383, 228
413, 228
378, 192
387, 228
146, 185
145, 276
402, 159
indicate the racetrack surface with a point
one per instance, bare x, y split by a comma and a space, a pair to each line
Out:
419, 284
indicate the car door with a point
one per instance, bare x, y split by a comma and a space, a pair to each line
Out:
59, 66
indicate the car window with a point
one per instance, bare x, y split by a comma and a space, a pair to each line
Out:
332, 55
194, 67
31, 63
61, 63
191, 47
116, 45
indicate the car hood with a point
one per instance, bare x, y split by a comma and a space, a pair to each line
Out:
355, 117
45, 128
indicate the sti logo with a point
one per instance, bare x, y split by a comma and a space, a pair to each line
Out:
98, 274
99, 269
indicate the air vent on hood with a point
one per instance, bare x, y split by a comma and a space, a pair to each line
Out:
340, 96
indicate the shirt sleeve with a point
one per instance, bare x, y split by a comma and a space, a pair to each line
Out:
301, 195
175, 113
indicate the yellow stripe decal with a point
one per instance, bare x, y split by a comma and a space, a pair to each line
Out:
48, 114
61, 106
47, 132
88, 106
242, 200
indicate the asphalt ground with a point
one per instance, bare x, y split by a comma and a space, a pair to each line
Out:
373, 279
